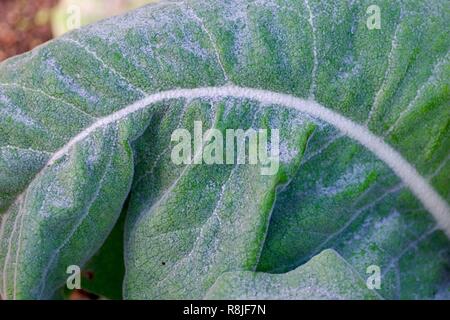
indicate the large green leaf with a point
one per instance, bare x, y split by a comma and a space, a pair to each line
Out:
325, 276
86, 121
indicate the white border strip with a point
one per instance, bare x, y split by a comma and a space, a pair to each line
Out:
419, 186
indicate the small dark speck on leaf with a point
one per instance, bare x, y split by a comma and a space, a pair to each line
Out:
89, 275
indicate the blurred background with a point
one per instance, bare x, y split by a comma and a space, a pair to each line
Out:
24, 24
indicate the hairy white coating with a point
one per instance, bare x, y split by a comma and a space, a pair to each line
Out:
419, 186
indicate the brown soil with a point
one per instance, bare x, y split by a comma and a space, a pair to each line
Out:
24, 24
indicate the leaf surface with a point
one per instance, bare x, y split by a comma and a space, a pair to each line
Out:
325, 276
86, 121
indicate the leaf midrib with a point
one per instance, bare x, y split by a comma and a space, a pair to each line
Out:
419, 186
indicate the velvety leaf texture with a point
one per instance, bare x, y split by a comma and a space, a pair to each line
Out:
364, 123
326, 276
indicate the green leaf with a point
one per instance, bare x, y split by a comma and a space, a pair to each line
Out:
345, 199
325, 276
103, 274
86, 122
187, 225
